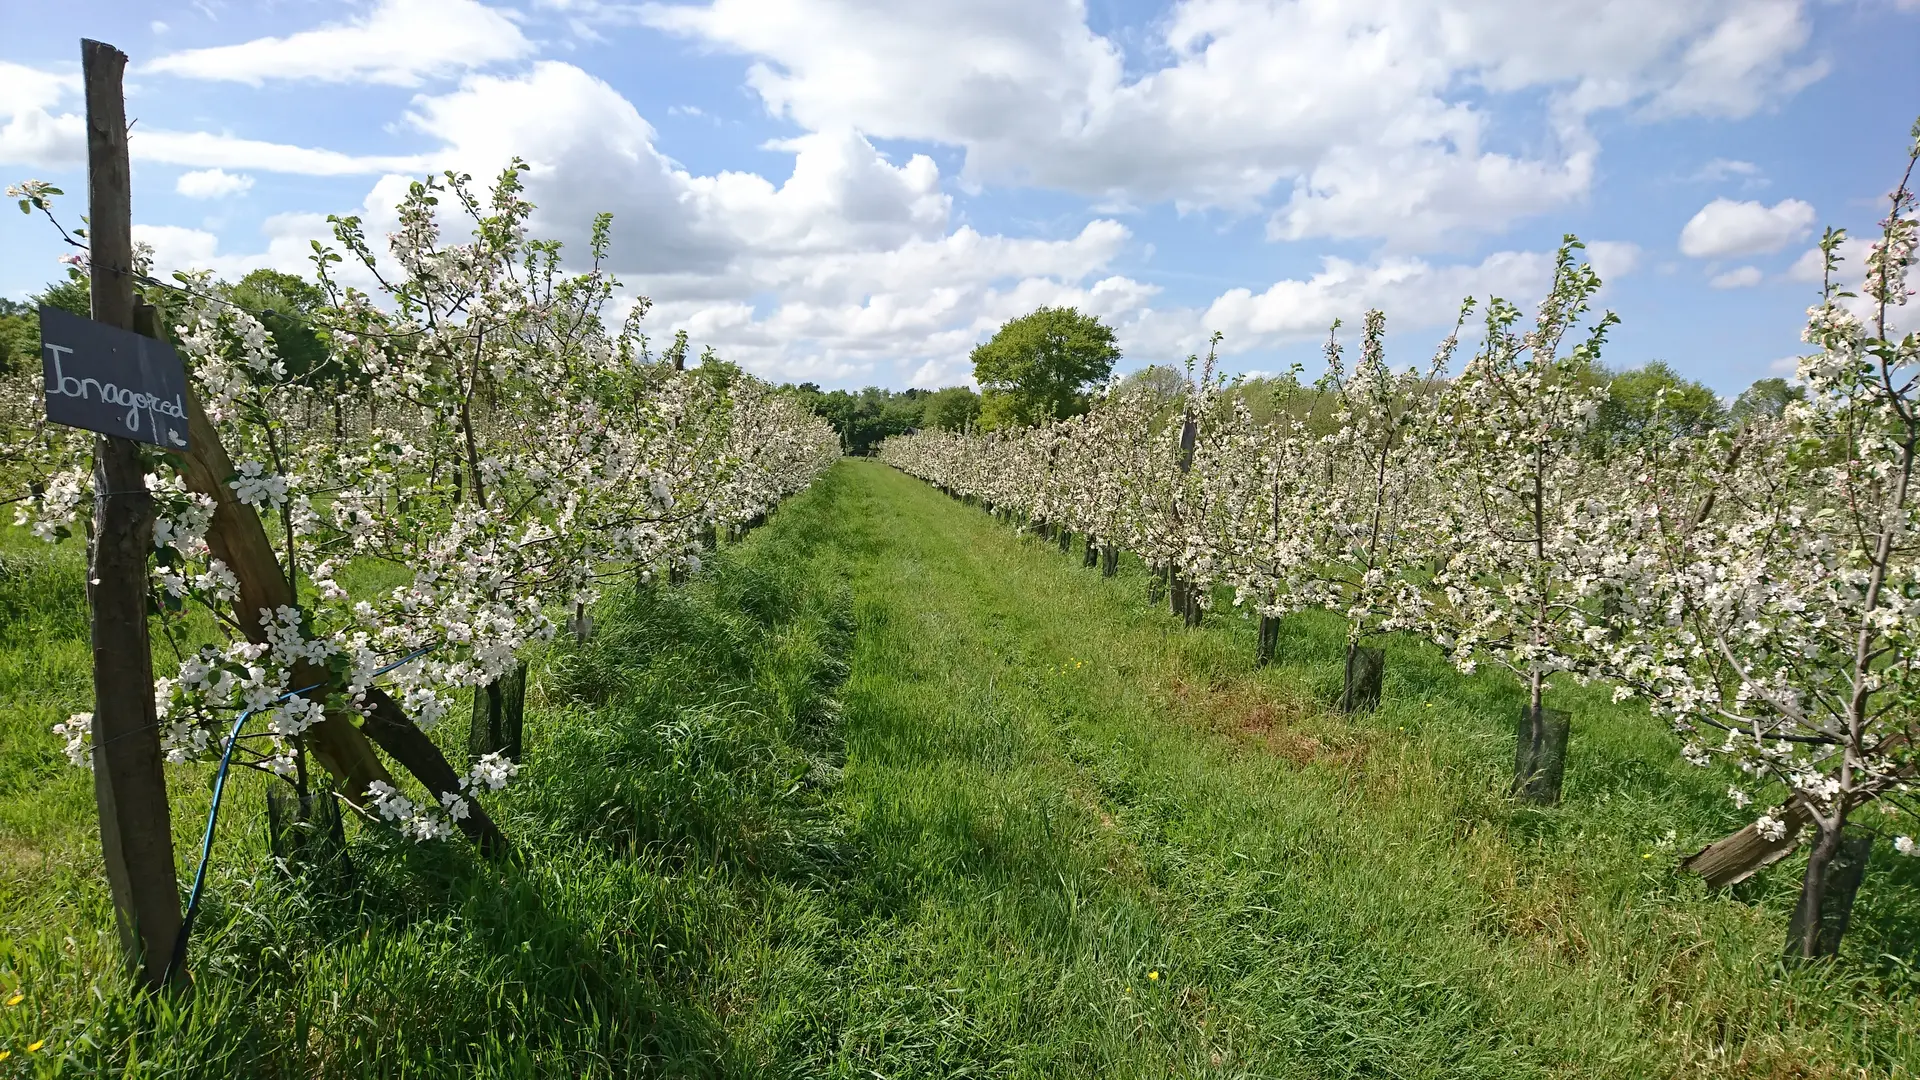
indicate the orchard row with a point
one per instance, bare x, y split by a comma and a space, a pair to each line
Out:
1759, 587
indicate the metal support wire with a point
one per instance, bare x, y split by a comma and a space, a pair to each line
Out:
179, 958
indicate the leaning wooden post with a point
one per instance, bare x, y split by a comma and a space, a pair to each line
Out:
129, 786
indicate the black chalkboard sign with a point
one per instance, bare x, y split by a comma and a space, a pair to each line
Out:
113, 381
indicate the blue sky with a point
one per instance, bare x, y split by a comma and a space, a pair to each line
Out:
855, 193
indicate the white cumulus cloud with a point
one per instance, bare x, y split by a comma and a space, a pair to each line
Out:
212, 184
1613, 259
1727, 229
1366, 118
1740, 277
37, 131
1412, 292
32, 132
398, 43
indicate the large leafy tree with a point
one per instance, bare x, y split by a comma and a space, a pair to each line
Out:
1655, 400
20, 322
951, 409
285, 304
1766, 397
1042, 365
19, 333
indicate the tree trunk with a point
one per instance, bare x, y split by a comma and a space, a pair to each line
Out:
1109, 560
1269, 642
1540, 754
499, 711
1365, 670
1066, 541
1092, 557
1157, 584
305, 834
1177, 593
1834, 869
1612, 612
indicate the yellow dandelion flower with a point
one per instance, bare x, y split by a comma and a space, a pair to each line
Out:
34, 1047
15, 1000
1153, 976
5, 1054
1648, 855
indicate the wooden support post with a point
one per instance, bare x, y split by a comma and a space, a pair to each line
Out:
130, 788
1734, 858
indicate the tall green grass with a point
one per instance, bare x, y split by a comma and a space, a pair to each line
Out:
671, 809
894, 791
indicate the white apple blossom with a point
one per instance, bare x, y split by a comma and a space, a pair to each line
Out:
476, 437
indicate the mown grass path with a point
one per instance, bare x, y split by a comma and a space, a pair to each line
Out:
1099, 844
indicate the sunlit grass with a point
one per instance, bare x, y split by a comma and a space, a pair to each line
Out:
891, 790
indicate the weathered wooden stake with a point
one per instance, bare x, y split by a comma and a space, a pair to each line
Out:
129, 786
